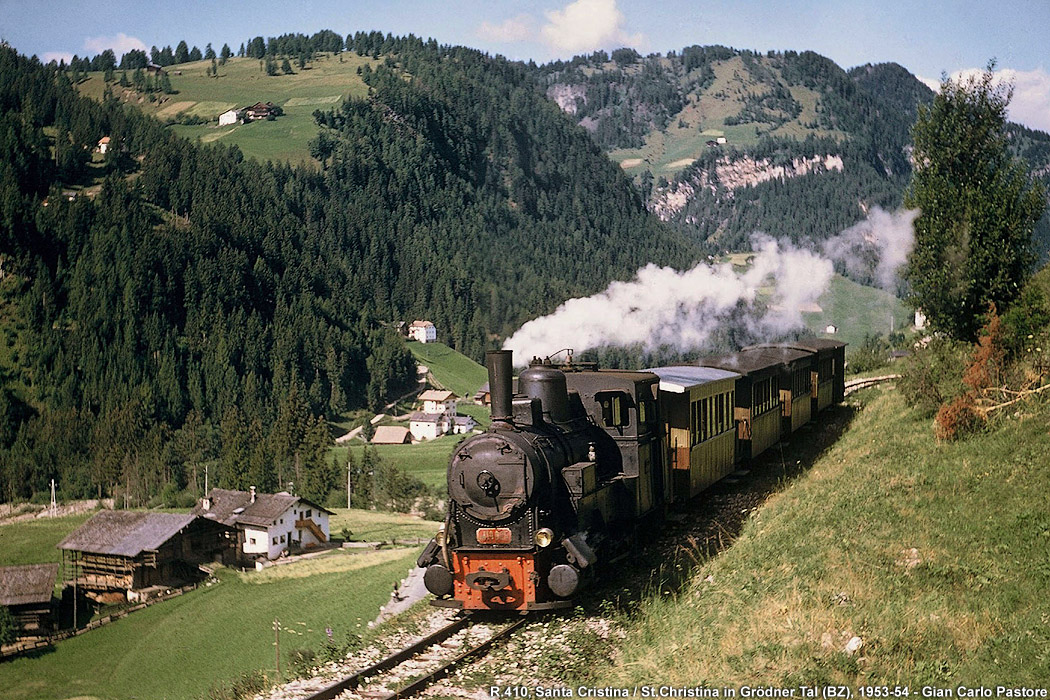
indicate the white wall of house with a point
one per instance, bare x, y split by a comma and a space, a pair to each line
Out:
446, 407
282, 533
425, 333
230, 117
426, 430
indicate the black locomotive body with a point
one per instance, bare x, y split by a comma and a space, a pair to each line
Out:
577, 459
548, 491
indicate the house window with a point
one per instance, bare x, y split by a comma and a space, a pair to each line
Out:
282, 539
251, 540
275, 540
310, 513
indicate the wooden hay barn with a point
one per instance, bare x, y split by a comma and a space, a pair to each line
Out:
27, 592
128, 551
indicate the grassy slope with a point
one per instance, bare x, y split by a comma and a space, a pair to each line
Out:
703, 118
828, 558
34, 541
456, 372
857, 311
374, 526
241, 83
180, 648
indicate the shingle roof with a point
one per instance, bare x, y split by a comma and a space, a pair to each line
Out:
811, 344
420, 417
390, 435
435, 395
27, 584
268, 507
125, 533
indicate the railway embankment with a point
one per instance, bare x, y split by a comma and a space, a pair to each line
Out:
893, 559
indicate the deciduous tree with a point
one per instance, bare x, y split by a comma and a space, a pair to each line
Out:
978, 203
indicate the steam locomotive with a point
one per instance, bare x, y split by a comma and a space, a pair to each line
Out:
578, 459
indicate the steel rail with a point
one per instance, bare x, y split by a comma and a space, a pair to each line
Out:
353, 681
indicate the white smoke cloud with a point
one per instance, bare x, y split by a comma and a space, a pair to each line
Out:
1031, 101
875, 247
662, 306
585, 25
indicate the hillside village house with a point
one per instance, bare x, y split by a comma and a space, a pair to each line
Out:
423, 331
232, 116
268, 524
439, 416
103, 145
122, 552
261, 110
26, 591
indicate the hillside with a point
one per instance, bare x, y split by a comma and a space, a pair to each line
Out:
322, 84
930, 554
724, 142
170, 305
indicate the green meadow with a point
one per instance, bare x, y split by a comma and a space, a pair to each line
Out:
454, 371
857, 311
931, 558
181, 647
326, 81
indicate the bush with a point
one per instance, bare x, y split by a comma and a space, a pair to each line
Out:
932, 375
957, 419
8, 626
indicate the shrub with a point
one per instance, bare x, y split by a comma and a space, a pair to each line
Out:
958, 419
932, 375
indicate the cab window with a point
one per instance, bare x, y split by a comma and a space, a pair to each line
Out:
614, 409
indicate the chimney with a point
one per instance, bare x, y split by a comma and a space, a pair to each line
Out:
252, 489
500, 366
206, 503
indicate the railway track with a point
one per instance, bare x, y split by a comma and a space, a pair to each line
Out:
407, 672
858, 384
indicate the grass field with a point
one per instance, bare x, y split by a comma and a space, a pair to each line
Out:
180, 648
34, 541
375, 526
427, 461
934, 556
454, 371
242, 82
857, 311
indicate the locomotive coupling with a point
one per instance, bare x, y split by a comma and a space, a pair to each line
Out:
489, 580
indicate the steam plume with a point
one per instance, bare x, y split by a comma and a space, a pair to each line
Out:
662, 306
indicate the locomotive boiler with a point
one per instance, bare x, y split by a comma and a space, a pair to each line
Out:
556, 485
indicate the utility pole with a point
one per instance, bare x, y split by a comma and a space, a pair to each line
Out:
277, 644
54, 503
348, 481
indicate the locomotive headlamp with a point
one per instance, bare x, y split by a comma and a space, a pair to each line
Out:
543, 537
440, 536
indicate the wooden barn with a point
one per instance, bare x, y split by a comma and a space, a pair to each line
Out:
27, 592
123, 551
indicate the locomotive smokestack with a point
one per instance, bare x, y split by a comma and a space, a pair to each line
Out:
500, 366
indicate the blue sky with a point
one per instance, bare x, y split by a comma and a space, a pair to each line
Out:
927, 38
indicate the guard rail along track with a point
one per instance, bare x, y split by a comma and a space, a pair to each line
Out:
442, 659
858, 384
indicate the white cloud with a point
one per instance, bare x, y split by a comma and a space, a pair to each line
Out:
121, 44
585, 25
1031, 101
57, 56
520, 28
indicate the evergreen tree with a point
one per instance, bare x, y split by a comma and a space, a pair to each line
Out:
979, 207
225, 54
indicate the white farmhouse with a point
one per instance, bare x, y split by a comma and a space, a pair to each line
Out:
439, 416
435, 401
423, 331
232, 116
268, 524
